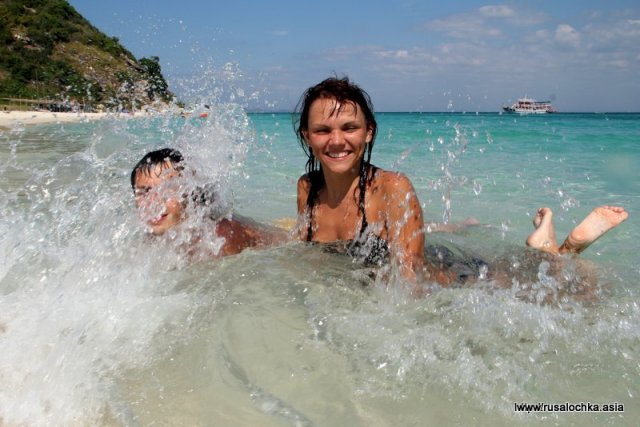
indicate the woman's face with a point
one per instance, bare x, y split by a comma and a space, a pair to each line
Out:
337, 135
158, 198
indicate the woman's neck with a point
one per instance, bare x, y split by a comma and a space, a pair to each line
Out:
338, 186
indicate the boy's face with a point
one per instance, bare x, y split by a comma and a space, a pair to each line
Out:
158, 198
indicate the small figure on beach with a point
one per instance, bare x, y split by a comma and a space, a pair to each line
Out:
162, 204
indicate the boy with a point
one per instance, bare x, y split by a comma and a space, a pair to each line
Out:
158, 184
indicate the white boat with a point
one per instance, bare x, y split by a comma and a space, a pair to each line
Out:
530, 106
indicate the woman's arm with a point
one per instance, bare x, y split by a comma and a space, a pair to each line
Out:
405, 225
304, 186
406, 233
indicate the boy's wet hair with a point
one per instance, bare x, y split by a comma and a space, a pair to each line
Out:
160, 157
204, 196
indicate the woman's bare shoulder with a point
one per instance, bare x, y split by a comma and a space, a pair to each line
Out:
392, 181
304, 182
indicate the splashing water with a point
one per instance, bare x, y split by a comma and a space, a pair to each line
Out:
102, 324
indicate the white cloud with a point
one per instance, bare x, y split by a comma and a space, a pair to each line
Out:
567, 35
619, 63
463, 26
398, 54
497, 11
280, 33
613, 42
419, 58
491, 21
342, 53
472, 50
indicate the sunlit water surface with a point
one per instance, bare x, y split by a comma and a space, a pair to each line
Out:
101, 324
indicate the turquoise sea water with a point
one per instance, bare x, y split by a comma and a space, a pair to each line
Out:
103, 325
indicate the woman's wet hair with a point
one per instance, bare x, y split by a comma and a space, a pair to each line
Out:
165, 157
344, 92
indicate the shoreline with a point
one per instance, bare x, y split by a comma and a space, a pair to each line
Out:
8, 119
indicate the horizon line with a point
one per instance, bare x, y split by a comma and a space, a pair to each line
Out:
466, 112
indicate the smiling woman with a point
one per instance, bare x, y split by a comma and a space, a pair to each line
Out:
375, 213
343, 197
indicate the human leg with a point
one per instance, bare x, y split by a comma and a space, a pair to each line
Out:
544, 236
595, 225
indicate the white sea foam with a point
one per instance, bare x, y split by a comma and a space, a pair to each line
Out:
102, 324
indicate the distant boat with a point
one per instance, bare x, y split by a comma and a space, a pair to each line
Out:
530, 106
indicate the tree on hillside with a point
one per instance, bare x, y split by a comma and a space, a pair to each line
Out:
157, 86
49, 50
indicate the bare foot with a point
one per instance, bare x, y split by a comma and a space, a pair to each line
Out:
544, 237
596, 224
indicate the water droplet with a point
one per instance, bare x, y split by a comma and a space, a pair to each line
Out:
477, 187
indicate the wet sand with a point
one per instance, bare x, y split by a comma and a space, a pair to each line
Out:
11, 118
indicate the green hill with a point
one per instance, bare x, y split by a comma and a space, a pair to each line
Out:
49, 51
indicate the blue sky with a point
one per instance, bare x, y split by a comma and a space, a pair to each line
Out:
410, 55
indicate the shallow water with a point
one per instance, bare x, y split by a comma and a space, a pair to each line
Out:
102, 325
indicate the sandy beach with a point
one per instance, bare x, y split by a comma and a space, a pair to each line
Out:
12, 118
